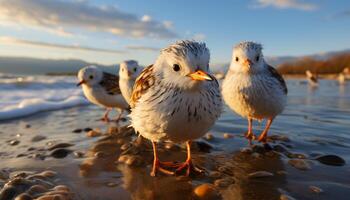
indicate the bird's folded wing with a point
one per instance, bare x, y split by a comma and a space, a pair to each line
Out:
277, 76
143, 82
110, 83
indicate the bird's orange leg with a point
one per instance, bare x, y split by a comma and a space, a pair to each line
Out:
250, 135
157, 164
263, 135
188, 163
105, 117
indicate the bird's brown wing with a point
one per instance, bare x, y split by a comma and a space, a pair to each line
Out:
110, 83
143, 82
277, 76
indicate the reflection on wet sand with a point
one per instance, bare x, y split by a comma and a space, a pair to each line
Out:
122, 162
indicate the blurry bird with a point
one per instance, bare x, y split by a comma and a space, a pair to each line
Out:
312, 78
102, 88
252, 88
176, 99
128, 72
341, 78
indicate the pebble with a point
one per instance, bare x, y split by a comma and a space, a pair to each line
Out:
60, 145
93, 133
171, 146
8, 192
215, 174
87, 129
206, 192
315, 189
246, 150
28, 126
228, 136
111, 184
61, 188
78, 154
226, 170
286, 197
18, 135
24, 196
38, 138
39, 156
209, 136
260, 174
299, 164
37, 189
60, 153
78, 130
52, 197
224, 182
125, 146
14, 142
100, 154
331, 160
134, 161
48, 174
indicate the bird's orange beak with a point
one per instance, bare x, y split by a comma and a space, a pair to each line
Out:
200, 75
81, 82
248, 62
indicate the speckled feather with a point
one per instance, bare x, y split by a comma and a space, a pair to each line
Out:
110, 83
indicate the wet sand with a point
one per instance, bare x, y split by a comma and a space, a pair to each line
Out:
113, 165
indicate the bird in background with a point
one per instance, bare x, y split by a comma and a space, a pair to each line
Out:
312, 78
176, 99
102, 89
254, 89
128, 72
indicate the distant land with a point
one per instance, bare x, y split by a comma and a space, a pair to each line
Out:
285, 64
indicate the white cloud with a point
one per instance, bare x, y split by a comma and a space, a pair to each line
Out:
286, 4
13, 40
65, 16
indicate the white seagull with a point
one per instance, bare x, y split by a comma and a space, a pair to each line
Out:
176, 99
252, 88
102, 88
312, 78
128, 72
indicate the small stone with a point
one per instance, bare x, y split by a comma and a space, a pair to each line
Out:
134, 161
171, 146
37, 189
93, 133
48, 173
215, 174
78, 154
206, 192
8, 193
60, 153
315, 189
282, 172
78, 130
38, 138
14, 142
31, 148
39, 156
226, 170
228, 136
24, 196
61, 188
260, 174
246, 150
331, 160
28, 126
100, 154
209, 136
299, 164
52, 197
87, 129
111, 184
60, 145
224, 182
18, 135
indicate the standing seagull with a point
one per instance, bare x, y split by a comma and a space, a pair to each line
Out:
176, 99
102, 88
128, 72
252, 88
312, 78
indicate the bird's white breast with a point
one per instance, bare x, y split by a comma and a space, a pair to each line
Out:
126, 86
258, 96
168, 113
99, 96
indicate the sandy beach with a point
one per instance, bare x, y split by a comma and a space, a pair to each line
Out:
70, 153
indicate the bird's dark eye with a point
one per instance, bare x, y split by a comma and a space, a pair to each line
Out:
122, 69
237, 59
91, 77
134, 69
257, 58
176, 67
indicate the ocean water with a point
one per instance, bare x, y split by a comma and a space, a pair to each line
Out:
27, 95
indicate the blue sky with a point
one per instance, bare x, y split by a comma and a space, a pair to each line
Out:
109, 31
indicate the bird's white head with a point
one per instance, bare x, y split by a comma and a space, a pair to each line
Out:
90, 75
247, 57
184, 64
129, 69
